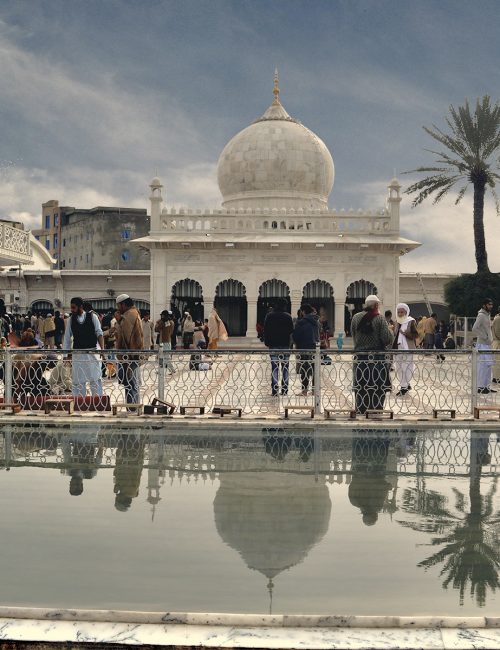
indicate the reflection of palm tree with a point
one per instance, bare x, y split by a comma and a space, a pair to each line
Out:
471, 551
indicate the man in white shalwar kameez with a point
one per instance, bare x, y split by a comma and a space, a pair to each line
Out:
405, 336
481, 331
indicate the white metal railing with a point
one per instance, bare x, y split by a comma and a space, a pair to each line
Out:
260, 382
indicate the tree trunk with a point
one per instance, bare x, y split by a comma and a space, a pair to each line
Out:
479, 239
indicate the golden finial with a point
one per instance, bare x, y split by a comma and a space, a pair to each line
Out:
276, 90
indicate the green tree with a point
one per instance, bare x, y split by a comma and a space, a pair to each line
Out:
470, 156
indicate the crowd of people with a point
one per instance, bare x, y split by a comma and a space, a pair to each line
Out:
128, 331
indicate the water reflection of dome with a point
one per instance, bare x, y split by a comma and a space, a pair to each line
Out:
271, 519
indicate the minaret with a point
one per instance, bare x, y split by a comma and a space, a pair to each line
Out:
393, 201
156, 201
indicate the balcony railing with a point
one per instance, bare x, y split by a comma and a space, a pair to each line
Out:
279, 221
14, 244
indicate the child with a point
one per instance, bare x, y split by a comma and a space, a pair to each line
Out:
340, 340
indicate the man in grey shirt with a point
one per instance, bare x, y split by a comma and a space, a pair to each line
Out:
481, 331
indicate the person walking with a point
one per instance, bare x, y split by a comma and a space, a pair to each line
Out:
306, 336
495, 330
187, 331
216, 330
481, 331
59, 328
430, 326
405, 336
85, 331
278, 328
148, 332
164, 327
371, 336
129, 337
49, 331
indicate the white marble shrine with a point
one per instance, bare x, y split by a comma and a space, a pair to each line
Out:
274, 235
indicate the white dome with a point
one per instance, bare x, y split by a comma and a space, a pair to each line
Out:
275, 162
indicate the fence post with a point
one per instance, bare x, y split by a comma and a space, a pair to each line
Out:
8, 377
317, 379
473, 396
161, 373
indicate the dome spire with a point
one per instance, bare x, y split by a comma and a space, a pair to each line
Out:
276, 89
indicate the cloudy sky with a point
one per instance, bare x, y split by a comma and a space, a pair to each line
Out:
95, 96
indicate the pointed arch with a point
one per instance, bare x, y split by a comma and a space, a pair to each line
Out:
356, 294
187, 295
319, 294
270, 292
231, 304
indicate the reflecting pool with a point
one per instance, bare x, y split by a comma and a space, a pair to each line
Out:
384, 522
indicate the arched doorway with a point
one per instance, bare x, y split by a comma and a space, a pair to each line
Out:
356, 295
231, 304
269, 292
319, 294
187, 295
42, 307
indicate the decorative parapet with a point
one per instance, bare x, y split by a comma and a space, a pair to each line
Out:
249, 221
14, 244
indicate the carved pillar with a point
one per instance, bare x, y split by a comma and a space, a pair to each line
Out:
251, 317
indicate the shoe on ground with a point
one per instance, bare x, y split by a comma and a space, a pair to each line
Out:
483, 391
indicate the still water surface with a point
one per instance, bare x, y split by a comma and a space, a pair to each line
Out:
392, 522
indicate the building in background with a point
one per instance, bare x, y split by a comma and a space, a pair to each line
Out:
93, 239
49, 235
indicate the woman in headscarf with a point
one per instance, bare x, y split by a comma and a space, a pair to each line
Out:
405, 337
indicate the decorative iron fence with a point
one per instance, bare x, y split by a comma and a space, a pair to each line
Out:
260, 383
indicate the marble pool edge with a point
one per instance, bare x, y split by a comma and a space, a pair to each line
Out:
58, 628
246, 620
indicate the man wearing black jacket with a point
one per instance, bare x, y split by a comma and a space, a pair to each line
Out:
306, 336
278, 328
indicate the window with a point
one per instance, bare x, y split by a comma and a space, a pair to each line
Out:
56, 241
56, 219
47, 244
64, 242
87, 235
87, 258
126, 234
47, 221
70, 238
125, 256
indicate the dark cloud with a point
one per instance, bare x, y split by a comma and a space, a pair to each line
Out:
95, 99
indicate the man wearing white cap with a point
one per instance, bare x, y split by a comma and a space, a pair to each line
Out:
129, 336
371, 336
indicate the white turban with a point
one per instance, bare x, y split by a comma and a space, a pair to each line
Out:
404, 319
403, 305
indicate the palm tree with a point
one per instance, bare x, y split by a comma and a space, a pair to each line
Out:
469, 541
470, 155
